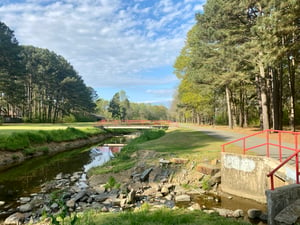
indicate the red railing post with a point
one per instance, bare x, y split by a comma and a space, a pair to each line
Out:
297, 168
244, 145
297, 158
272, 182
280, 149
296, 141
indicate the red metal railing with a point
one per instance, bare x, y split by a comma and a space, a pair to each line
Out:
271, 174
137, 122
280, 146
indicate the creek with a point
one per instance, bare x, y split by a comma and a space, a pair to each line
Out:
27, 178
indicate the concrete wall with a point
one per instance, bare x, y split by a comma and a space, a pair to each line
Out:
245, 176
280, 198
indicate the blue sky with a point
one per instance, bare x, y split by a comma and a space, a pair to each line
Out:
114, 45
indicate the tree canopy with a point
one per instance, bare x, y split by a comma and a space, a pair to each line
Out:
244, 55
119, 107
38, 85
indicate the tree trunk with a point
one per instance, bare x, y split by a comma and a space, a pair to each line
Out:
276, 99
229, 110
259, 106
242, 107
264, 97
291, 63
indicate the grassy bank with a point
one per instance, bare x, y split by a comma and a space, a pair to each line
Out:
31, 138
17, 141
182, 143
161, 217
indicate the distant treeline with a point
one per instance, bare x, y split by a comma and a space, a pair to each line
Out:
119, 107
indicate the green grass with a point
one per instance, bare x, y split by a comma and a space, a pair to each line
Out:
181, 143
156, 217
186, 143
8, 128
26, 139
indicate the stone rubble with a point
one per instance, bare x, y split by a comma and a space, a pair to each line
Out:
144, 187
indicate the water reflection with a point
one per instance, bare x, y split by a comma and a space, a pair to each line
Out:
99, 156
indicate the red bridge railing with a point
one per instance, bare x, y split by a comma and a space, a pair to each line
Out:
136, 122
278, 136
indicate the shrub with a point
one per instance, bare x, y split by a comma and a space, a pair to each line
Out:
112, 183
69, 119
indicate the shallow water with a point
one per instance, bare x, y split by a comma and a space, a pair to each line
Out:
27, 178
227, 202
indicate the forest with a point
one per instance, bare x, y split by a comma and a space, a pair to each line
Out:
37, 85
240, 65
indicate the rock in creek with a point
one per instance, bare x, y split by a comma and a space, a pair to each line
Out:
25, 208
183, 198
70, 203
131, 197
16, 218
79, 195
25, 200
145, 174
254, 213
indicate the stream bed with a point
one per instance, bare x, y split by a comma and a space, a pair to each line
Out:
27, 179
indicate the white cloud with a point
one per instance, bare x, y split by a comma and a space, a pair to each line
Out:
160, 91
107, 41
198, 8
164, 101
